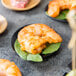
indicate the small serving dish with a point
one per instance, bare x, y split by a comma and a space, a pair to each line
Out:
60, 17
30, 5
13, 40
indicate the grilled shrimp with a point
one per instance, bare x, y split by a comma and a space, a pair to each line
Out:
33, 38
53, 9
8, 68
56, 6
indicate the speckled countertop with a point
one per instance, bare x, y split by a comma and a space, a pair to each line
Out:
54, 66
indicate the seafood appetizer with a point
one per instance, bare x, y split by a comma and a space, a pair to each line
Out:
8, 68
59, 8
19, 3
36, 39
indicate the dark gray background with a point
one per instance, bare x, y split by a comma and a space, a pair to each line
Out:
54, 66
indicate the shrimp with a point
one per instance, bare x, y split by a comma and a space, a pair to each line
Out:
33, 38
8, 68
56, 6
53, 9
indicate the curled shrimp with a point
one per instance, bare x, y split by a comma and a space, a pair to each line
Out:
55, 6
8, 68
33, 38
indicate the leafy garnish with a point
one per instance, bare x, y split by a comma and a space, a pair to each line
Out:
35, 58
51, 48
21, 53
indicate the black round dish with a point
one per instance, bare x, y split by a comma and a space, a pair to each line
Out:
46, 8
14, 37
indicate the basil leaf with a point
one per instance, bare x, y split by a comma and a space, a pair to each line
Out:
35, 58
51, 48
18, 50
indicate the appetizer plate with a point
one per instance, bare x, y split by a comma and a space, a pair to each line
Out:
15, 43
3, 24
60, 18
30, 5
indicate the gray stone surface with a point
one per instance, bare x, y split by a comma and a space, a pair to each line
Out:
54, 66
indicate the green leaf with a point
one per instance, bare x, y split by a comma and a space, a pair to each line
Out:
35, 58
62, 15
51, 48
21, 53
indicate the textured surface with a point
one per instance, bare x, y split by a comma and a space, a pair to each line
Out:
54, 66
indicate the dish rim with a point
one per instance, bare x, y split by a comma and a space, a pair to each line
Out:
19, 9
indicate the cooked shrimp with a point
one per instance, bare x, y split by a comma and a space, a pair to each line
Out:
8, 68
56, 6
33, 38
53, 9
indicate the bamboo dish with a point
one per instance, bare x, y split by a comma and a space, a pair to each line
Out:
30, 5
